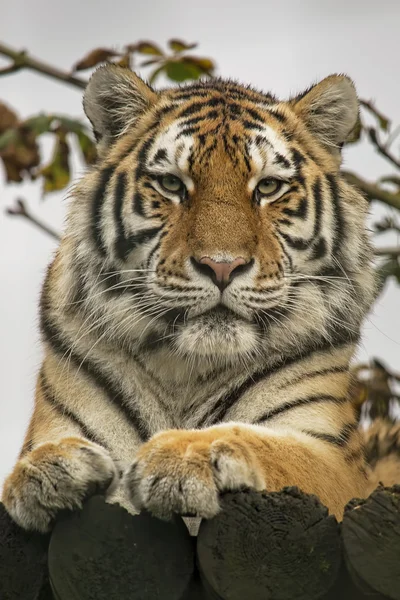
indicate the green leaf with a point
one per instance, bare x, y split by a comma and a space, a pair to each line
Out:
39, 124
87, 147
43, 123
182, 71
153, 76
205, 65
57, 173
10, 136
148, 48
70, 125
180, 46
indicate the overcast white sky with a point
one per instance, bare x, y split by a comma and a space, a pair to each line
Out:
282, 47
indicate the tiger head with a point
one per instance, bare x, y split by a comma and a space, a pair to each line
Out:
217, 216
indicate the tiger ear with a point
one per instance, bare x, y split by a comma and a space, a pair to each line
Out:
114, 98
329, 109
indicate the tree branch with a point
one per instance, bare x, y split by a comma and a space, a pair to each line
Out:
21, 60
388, 251
21, 211
373, 136
373, 191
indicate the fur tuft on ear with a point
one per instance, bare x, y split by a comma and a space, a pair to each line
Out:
329, 109
114, 98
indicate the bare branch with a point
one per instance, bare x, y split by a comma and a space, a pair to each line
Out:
21, 60
373, 136
11, 69
388, 251
383, 121
373, 191
20, 210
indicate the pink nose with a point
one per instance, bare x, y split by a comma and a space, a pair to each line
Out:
221, 273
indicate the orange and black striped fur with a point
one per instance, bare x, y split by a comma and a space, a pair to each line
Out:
201, 312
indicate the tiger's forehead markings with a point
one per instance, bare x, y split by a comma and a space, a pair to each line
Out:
169, 156
270, 156
241, 126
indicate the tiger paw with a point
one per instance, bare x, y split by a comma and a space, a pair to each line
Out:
55, 477
184, 472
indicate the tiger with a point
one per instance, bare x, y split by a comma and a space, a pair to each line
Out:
202, 310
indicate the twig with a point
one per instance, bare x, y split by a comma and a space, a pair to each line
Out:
11, 69
21, 60
373, 191
392, 136
388, 251
21, 211
371, 107
373, 136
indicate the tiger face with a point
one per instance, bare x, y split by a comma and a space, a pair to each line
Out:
222, 217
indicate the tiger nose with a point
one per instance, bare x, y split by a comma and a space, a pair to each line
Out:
221, 272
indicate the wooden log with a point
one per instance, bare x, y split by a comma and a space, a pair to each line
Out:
345, 589
23, 562
276, 546
371, 540
104, 553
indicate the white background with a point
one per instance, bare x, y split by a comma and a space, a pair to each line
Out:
282, 47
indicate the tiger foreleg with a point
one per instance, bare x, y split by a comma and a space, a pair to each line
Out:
54, 477
185, 472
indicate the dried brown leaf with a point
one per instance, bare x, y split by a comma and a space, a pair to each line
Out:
95, 57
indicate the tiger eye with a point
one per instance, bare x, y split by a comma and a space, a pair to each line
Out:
268, 187
171, 183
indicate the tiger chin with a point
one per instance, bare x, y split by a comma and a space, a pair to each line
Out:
201, 312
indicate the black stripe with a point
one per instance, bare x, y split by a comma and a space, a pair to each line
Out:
141, 237
327, 371
210, 115
78, 289
278, 116
51, 399
59, 346
124, 245
300, 243
254, 114
198, 106
155, 248
317, 194
300, 402
224, 404
295, 243
252, 125
119, 196
300, 212
298, 158
319, 250
160, 155
97, 206
280, 159
339, 440
339, 225
142, 158
285, 254
188, 131
138, 204
324, 437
